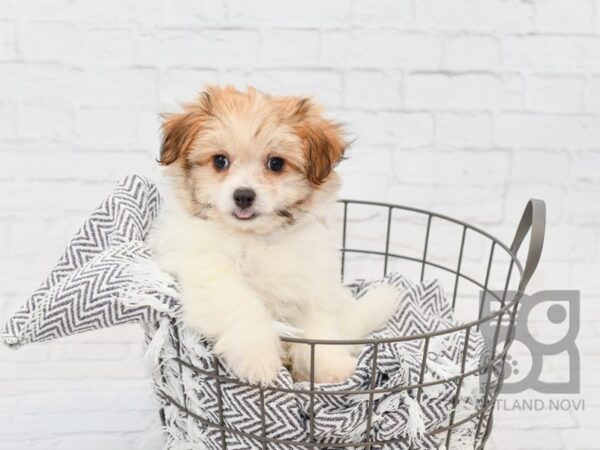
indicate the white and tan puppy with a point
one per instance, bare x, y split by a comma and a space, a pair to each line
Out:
254, 179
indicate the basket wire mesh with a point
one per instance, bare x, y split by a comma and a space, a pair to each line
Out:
532, 223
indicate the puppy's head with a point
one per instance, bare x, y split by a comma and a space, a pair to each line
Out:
253, 161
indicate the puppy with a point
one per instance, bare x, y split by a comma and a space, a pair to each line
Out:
253, 177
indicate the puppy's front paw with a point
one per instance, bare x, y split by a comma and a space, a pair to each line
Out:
334, 368
332, 364
253, 356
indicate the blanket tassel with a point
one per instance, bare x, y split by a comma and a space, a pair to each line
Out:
416, 421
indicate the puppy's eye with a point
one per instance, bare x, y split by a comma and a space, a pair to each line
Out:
275, 164
220, 162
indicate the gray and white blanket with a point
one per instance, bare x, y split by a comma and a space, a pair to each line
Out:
106, 277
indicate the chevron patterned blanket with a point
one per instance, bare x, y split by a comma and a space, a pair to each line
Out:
106, 277
397, 418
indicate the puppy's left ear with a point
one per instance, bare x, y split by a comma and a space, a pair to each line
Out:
324, 143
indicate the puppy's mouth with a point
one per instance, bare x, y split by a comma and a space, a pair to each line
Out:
244, 214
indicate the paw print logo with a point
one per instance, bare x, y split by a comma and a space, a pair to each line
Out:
518, 365
546, 327
510, 367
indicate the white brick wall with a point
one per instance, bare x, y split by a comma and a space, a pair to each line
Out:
462, 106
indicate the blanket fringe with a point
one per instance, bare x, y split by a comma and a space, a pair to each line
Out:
156, 344
157, 284
415, 426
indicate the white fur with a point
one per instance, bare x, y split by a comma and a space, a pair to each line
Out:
235, 284
243, 266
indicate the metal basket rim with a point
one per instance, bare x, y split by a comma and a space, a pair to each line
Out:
440, 216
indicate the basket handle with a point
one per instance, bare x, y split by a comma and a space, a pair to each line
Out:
534, 219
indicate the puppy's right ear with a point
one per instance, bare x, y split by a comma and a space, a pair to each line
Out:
180, 130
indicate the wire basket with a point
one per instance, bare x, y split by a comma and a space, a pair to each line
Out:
481, 271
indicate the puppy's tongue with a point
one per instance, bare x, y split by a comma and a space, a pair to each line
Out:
244, 214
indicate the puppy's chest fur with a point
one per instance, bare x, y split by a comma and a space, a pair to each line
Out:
286, 269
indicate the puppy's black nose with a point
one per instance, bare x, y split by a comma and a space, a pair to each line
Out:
244, 197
